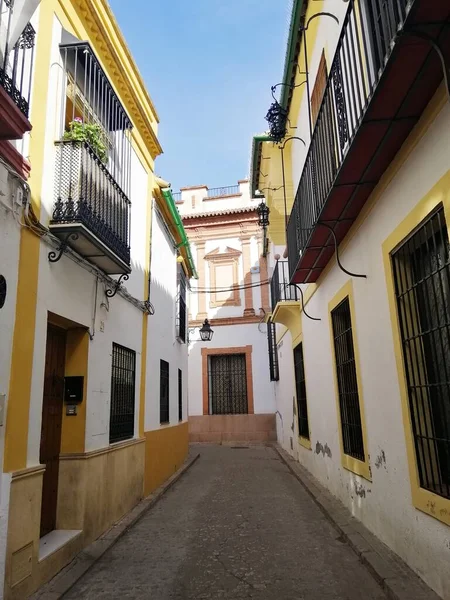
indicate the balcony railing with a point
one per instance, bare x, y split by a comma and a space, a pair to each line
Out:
16, 67
231, 190
176, 196
363, 120
91, 211
280, 289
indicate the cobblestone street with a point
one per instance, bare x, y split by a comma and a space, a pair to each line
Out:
237, 525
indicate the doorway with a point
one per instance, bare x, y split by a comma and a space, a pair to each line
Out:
227, 374
52, 411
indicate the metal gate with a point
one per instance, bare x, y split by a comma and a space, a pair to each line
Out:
227, 375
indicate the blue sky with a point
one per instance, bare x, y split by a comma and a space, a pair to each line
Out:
208, 65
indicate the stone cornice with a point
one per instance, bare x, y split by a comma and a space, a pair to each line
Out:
110, 45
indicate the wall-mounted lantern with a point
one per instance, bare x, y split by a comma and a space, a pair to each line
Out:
206, 333
263, 214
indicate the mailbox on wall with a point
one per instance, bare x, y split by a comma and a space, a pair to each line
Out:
73, 393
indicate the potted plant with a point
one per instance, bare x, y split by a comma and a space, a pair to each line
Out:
90, 133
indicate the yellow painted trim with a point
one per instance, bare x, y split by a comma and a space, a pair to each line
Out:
18, 413
303, 441
424, 500
73, 432
288, 314
282, 334
359, 467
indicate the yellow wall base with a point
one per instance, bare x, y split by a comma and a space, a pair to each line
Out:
165, 451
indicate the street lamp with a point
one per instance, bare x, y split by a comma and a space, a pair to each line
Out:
263, 214
206, 333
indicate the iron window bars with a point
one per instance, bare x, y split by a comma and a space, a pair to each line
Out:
363, 48
180, 395
93, 157
273, 351
421, 268
351, 426
123, 376
280, 289
227, 375
300, 388
16, 63
181, 316
164, 392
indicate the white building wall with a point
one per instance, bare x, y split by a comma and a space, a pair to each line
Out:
162, 342
383, 505
234, 336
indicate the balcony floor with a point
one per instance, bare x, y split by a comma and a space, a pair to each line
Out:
90, 247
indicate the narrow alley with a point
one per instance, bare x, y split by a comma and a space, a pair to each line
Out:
237, 525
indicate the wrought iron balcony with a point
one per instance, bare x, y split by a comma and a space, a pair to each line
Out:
16, 67
91, 211
384, 73
231, 190
280, 288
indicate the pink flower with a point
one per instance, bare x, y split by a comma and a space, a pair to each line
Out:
78, 120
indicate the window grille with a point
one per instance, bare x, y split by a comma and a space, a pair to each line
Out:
164, 392
180, 395
422, 286
352, 435
181, 306
227, 383
273, 351
123, 375
92, 109
300, 385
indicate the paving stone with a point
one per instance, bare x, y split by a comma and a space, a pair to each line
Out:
237, 526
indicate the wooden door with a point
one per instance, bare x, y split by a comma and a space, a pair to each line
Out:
52, 407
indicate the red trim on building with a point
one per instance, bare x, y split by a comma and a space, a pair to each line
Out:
13, 157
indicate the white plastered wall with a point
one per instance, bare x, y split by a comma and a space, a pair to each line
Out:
225, 337
162, 342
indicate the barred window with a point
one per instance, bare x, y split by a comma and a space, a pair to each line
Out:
181, 305
351, 425
164, 392
180, 395
123, 375
422, 286
300, 387
273, 351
